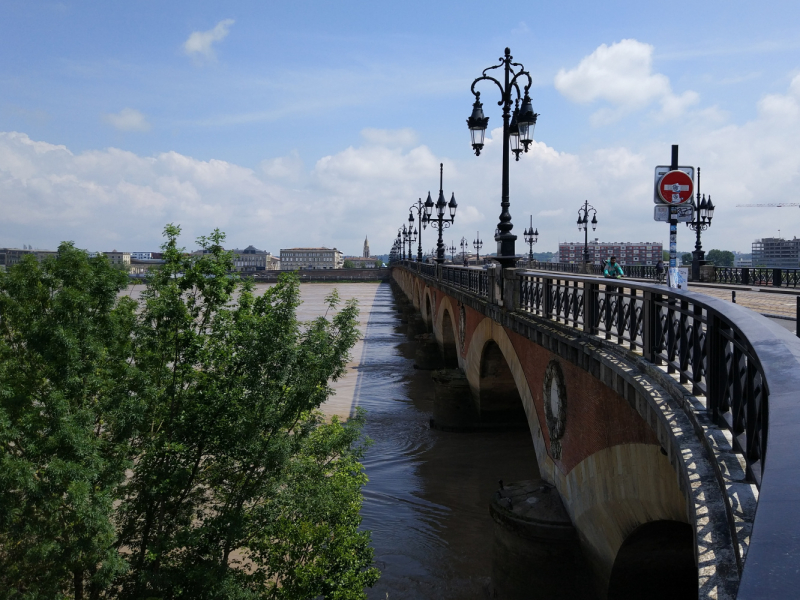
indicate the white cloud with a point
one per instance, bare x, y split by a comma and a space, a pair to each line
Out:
112, 198
402, 138
128, 119
201, 42
288, 167
622, 75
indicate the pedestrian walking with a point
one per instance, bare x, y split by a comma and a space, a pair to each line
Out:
612, 271
660, 271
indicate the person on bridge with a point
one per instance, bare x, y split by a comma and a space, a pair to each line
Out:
613, 270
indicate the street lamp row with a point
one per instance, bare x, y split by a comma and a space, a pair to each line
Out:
583, 225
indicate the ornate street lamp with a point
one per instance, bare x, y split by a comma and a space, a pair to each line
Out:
703, 213
401, 243
438, 220
464, 246
531, 237
394, 255
517, 129
452, 251
411, 237
583, 225
478, 244
422, 212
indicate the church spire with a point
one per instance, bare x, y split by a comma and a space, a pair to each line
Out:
366, 247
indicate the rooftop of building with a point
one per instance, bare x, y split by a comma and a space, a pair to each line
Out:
305, 249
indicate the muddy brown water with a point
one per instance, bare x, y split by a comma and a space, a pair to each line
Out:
427, 500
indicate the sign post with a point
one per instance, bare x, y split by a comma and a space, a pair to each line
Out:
674, 189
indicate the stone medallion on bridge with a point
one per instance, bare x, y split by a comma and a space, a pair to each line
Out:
555, 406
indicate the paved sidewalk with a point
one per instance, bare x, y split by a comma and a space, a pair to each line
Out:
766, 303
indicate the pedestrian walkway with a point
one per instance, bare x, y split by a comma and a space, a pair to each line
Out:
766, 303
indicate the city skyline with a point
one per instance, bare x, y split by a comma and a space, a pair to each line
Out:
118, 120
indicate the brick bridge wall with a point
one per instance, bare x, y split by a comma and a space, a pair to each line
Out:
626, 459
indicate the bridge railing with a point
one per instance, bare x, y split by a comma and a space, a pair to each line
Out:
680, 330
744, 367
470, 279
752, 276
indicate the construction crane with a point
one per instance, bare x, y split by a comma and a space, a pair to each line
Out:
777, 205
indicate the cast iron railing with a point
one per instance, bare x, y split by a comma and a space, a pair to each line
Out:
754, 276
470, 279
758, 276
669, 328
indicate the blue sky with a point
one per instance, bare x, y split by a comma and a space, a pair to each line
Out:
316, 123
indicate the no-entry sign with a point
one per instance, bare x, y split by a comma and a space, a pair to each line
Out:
675, 187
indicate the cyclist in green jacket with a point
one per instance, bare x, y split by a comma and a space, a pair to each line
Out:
613, 270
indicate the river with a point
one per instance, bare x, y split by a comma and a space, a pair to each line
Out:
428, 494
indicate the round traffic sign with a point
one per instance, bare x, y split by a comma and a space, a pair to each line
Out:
675, 187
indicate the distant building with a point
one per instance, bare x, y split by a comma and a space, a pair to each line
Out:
776, 253
122, 259
293, 259
253, 259
627, 253
141, 255
366, 248
11, 256
360, 262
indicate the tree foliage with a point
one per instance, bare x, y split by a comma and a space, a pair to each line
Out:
348, 264
174, 449
686, 258
720, 258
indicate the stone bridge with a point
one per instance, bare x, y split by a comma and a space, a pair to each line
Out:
664, 419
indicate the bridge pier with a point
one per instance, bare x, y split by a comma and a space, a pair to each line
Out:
536, 550
453, 406
428, 357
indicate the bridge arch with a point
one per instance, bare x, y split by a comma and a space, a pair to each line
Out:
609, 493
445, 331
427, 309
499, 400
656, 561
491, 334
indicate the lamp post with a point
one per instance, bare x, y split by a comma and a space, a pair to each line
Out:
703, 213
478, 244
411, 237
583, 225
438, 220
422, 211
464, 246
401, 246
531, 237
452, 251
517, 128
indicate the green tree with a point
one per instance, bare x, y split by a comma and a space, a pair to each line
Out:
378, 263
64, 341
686, 258
348, 264
720, 258
665, 255
236, 487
